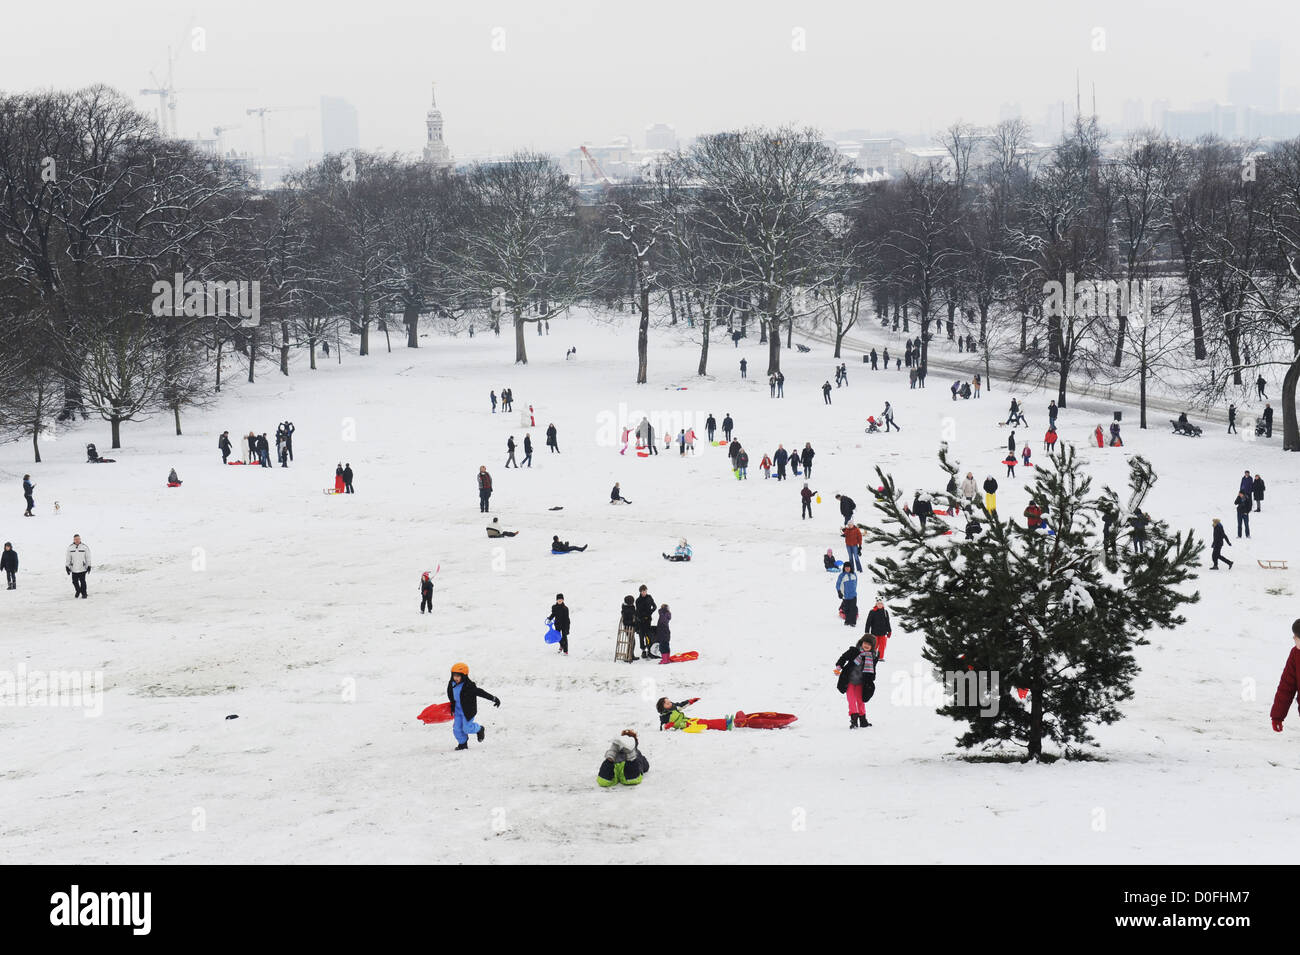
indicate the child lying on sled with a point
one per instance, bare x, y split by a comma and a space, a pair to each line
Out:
672, 717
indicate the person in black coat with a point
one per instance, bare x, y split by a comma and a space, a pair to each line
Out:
727, 425
552, 441
264, 450
426, 593
9, 564
224, 444
806, 458
1268, 420
856, 669
560, 619
645, 608
781, 457
563, 547
1257, 492
347, 478
1216, 546
510, 452
528, 450
28, 489
1232, 419
847, 507
1242, 503
711, 426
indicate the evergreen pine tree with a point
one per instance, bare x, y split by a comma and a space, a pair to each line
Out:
1014, 609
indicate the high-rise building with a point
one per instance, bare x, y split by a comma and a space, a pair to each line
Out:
436, 153
338, 125
1135, 114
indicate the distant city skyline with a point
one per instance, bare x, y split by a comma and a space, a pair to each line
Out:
552, 75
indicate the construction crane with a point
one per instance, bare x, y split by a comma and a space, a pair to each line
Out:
261, 111
217, 131
595, 167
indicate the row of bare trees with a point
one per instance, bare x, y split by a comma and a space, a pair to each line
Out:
762, 228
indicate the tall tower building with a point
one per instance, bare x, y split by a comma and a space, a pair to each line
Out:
436, 153
338, 125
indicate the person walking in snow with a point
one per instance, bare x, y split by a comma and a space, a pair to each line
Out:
28, 490
347, 478
1259, 387
1024, 455
9, 564
224, 445
681, 443
968, 489
888, 415
852, 535
856, 669
1257, 492
879, 627
690, 440
794, 464
1268, 420
781, 458
1242, 504
510, 452
528, 450
1289, 684
484, 488
493, 396
552, 439
711, 426
77, 563
1220, 538
1138, 522
806, 458
727, 426
977, 381
807, 497
743, 366
847, 507
559, 619
464, 695
1010, 462
1232, 419
922, 508
766, 465
780, 384
1049, 440
826, 392
742, 463
846, 588
426, 593
1051, 413
1011, 444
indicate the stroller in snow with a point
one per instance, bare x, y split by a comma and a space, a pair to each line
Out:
92, 456
1184, 427
872, 425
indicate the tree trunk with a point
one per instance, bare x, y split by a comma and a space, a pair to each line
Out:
284, 347
1035, 751
388, 341
1120, 332
36, 443
1024, 331
412, 319
672, 307
984, 321
521, 351
1198, 326
1290, 427
252, 354
643, 337
176, 409
311, 351
219, 344
706, 322
952, 311
365, 324
789, 331
117, 431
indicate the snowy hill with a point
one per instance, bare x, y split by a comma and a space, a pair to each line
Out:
247, 591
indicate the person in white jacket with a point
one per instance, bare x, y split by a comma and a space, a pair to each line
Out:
968, 488
78, 565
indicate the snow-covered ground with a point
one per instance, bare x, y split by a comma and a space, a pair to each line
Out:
248, 591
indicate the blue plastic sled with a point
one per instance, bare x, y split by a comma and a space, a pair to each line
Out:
839, 564
552, 635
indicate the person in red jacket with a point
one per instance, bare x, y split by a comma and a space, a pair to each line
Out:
1290, 682
853, 542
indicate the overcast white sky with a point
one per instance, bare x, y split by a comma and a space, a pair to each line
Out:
581, 70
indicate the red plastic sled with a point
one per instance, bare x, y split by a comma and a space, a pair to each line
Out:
232, 463
330, 490
684, 657
436, 713
764, 721
176, 484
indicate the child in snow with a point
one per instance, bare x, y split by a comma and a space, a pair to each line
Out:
1010, 462
426, 593
464, 696
846, 586
627, 622
1290, 682
672, 717
616, 495
856, 669
9, 564
829, 561
1024, 454
766, 465
990, 493
559, 618
623, 763
626, 433
663, 633
682, 552
563, 547
172, 479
